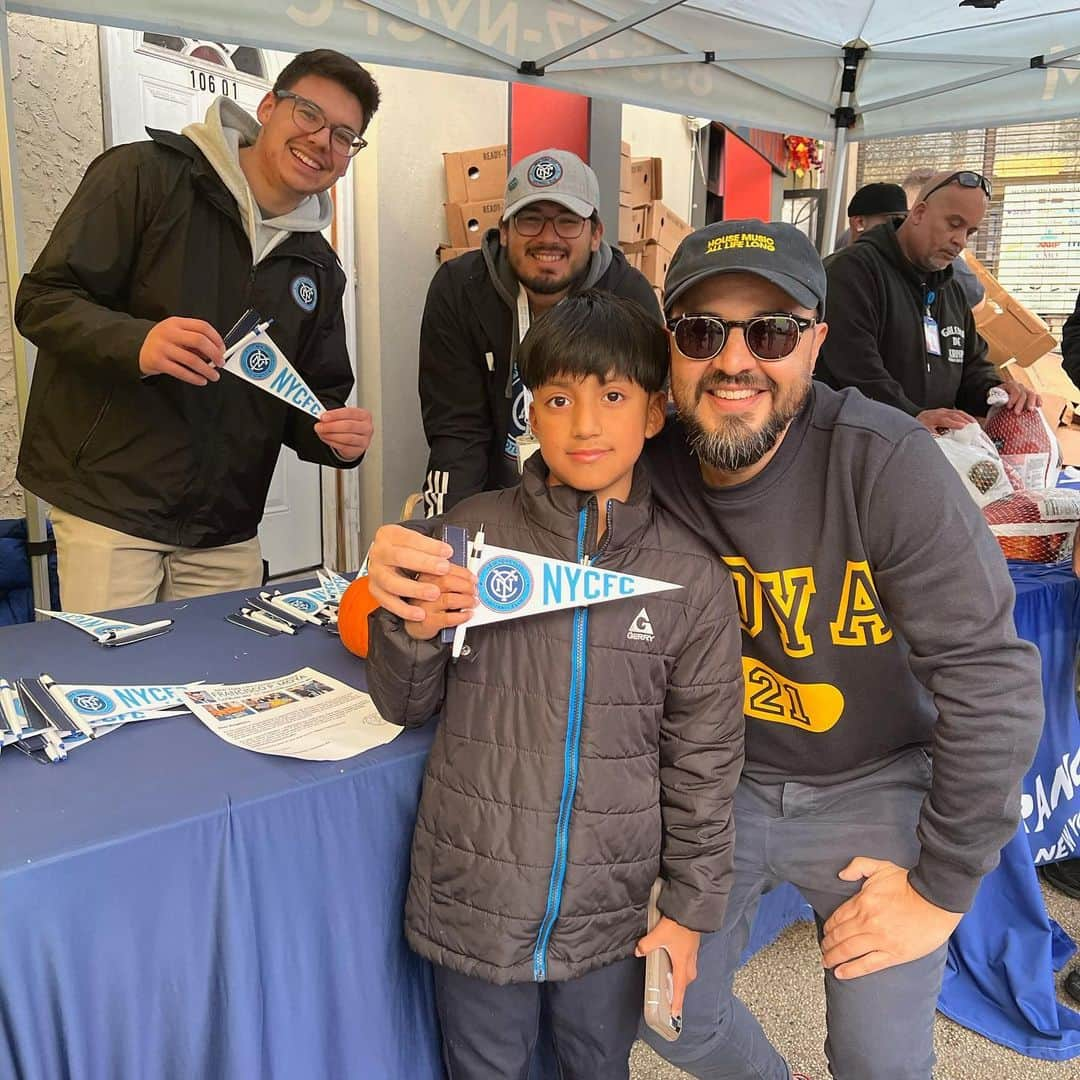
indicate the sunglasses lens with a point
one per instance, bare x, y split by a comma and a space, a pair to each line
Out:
699, 338
772, 338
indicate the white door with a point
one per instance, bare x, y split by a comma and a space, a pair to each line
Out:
161, 81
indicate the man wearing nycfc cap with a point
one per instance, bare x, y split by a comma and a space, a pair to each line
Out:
891, 710
480, 305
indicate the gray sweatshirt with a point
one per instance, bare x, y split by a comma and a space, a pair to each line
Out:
877, 615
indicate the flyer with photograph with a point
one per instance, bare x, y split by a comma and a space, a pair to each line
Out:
303, 715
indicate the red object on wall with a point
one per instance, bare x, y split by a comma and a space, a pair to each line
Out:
542, 118
747, 181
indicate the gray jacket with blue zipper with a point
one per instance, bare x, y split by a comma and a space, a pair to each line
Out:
580, 753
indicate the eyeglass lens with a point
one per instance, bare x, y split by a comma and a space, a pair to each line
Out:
770, 337
310, 118
567, 226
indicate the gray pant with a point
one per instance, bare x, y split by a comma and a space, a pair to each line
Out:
880, 1026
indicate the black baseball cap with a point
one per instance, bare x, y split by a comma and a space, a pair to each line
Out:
878, 199
772, 250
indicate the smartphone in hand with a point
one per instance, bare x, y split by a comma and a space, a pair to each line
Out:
659, 984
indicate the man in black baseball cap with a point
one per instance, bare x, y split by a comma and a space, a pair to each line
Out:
828, 509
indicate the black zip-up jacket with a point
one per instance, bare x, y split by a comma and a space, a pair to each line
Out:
465, 398
580, 753
1070, 345
875, 308
152, 232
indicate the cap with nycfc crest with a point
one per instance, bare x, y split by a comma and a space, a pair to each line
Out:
556, 176
772, 250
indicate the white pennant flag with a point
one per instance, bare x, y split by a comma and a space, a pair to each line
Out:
94, 625
257, 360
516, 584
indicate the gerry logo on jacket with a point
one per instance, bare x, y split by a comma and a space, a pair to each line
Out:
955, 339
304, 293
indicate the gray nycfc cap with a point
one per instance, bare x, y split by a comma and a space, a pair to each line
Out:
772, 250
554, 176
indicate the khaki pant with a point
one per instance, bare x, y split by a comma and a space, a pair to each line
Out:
101, 569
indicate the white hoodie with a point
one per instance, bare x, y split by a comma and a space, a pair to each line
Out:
226, 128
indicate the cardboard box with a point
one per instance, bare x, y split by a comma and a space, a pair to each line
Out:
625, 172
646, 180
1013, 332
624, 148
476, 175
445, 253
467, 222
626, 225
654, 264
633, 258
993, 288
663, 226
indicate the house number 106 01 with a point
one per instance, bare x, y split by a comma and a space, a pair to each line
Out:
215, 84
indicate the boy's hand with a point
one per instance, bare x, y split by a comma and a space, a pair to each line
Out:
682, 947
453, 606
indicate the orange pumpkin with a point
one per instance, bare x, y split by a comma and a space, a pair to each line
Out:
353, 611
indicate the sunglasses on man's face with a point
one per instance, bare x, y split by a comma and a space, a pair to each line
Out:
768, 337
966, 179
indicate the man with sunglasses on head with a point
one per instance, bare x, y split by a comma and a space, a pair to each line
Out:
479, 306
900, 326
157, 466
891, 710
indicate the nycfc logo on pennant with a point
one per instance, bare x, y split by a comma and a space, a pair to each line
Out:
304, 293
89, 701
544, 172
641, 628
505, 584
302, 603
257, 361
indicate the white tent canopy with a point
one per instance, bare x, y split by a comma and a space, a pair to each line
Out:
920, 65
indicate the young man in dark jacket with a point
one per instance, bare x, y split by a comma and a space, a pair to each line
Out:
580, 753
900, 328
479, 306
891, 710
157, 467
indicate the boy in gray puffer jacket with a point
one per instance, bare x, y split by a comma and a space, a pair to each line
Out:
581, 753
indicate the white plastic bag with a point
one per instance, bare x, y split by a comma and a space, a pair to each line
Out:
976, 460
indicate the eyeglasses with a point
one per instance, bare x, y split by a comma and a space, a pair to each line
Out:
965, 178
768, 337
532, 223
310, 118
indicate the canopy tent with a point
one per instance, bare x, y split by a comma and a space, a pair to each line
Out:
922, 65
840, 69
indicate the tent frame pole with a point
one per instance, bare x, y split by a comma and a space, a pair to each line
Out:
13, 261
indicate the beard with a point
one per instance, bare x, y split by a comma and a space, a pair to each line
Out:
547, 284
733, 445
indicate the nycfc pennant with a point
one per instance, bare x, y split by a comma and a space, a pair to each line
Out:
515, 584
261, 363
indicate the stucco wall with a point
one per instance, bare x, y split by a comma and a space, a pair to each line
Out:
652, 133
400, 221
56, 92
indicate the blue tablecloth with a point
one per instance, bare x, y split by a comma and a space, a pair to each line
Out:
174, 907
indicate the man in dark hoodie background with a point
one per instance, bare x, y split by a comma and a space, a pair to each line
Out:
480, 305
155, 465
900, 328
